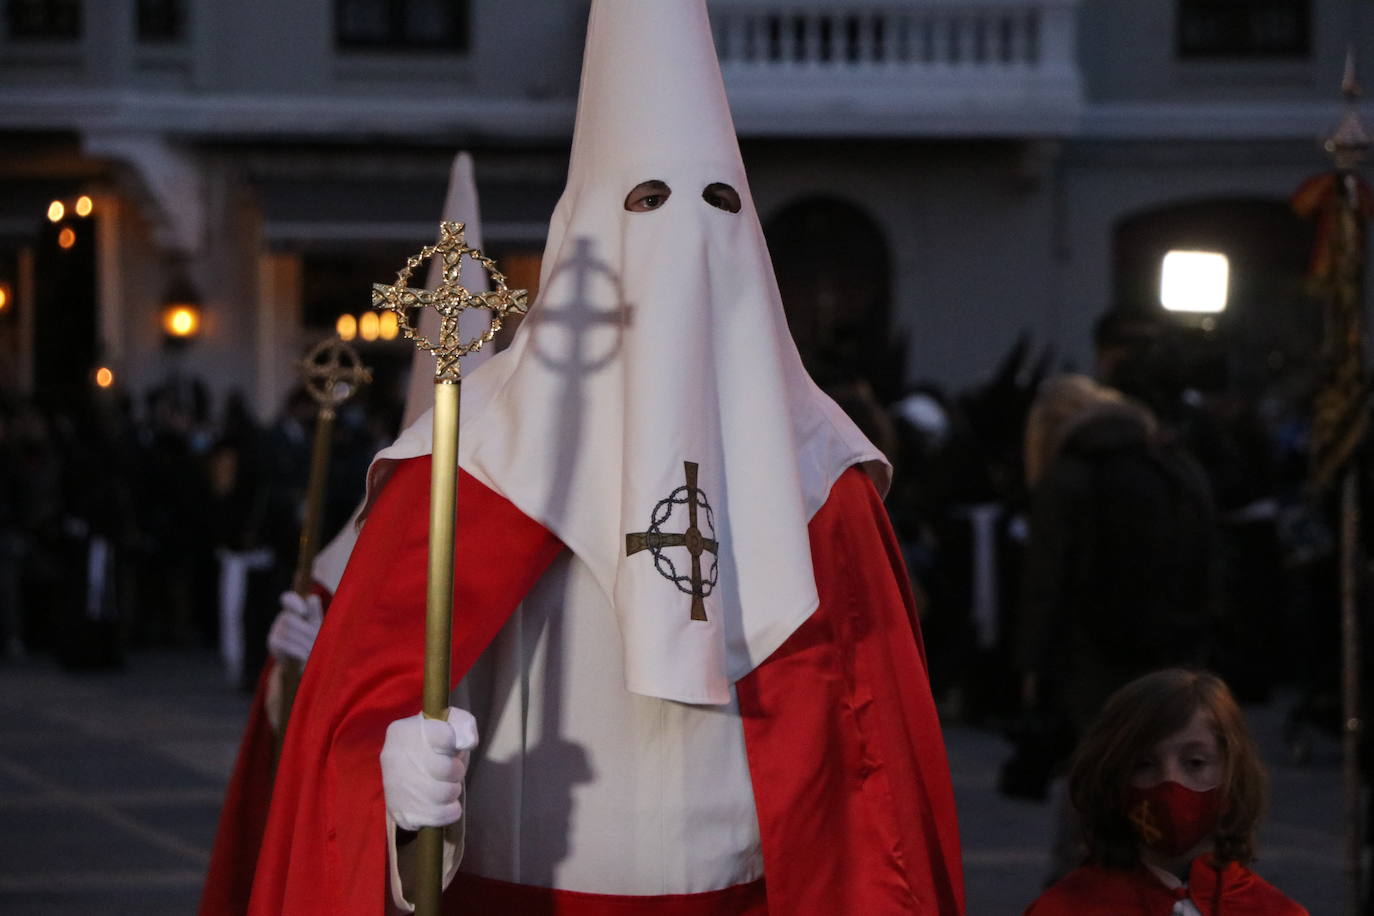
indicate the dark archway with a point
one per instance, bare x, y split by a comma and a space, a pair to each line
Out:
834, 272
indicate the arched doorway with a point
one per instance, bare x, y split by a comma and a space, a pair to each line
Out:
834, 273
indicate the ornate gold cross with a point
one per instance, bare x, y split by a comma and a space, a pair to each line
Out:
333, 372
696, 543
450, 300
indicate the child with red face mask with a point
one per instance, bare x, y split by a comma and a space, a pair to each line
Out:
1170, 789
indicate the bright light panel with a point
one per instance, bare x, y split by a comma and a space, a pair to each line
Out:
1194, 281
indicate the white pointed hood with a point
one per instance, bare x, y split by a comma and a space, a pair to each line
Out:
658, 341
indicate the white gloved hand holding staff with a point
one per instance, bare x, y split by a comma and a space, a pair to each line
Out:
296, 627
424, 762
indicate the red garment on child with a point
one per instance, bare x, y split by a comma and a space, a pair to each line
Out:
1215, 889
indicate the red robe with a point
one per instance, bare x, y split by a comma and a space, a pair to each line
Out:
243, 815
851, 783
1216, 890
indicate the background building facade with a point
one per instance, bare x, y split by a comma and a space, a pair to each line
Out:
936, 177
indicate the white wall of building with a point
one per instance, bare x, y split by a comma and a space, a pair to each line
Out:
997, 222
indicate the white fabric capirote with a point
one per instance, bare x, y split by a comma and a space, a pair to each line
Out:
460, 205
658, 339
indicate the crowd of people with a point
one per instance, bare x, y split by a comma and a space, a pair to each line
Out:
1066, 531
760, 735
119, 516
1065, 534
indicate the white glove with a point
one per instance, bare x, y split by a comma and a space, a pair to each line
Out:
295, 628
423, 765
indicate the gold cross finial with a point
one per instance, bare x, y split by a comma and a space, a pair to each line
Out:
1350, 142
450, 300
333, 372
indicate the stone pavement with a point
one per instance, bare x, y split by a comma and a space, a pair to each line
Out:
110, 786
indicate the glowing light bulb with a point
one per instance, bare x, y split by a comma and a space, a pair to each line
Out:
390, 327
84, 206
181, 321
66, 238
56, 211
346, 327
369, 326
104, 377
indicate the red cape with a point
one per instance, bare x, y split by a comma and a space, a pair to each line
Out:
1216, 890
851, 782
243, 816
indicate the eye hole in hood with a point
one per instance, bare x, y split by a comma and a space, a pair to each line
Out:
721, 196
647, 195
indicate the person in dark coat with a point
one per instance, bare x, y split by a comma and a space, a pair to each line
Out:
1118, 574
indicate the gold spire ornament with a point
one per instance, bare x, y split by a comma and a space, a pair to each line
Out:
332, 373
1343, 203
450, 300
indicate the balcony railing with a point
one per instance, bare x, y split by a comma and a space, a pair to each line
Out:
991, 65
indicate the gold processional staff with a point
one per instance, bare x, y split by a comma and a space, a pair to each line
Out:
332, 373
450, 300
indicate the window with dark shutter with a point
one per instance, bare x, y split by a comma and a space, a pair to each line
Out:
43, 20
401, 25
1244, 29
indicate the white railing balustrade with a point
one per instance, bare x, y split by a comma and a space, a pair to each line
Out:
842, 39
1009, 59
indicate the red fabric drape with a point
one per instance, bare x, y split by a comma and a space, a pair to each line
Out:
1216, 890
848, 763
243, 817
845, 752
324, 851
473, 895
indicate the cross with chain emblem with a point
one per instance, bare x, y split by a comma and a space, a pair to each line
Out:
450, 300
696, 543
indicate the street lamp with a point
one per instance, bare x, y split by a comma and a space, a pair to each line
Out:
181, 312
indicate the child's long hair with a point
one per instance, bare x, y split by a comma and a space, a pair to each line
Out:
1134, 719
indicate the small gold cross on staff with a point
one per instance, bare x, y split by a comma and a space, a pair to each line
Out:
450, 300
332, 372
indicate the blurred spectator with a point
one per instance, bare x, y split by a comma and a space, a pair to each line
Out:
286, 475
175, 563
1118, 576
238, 486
